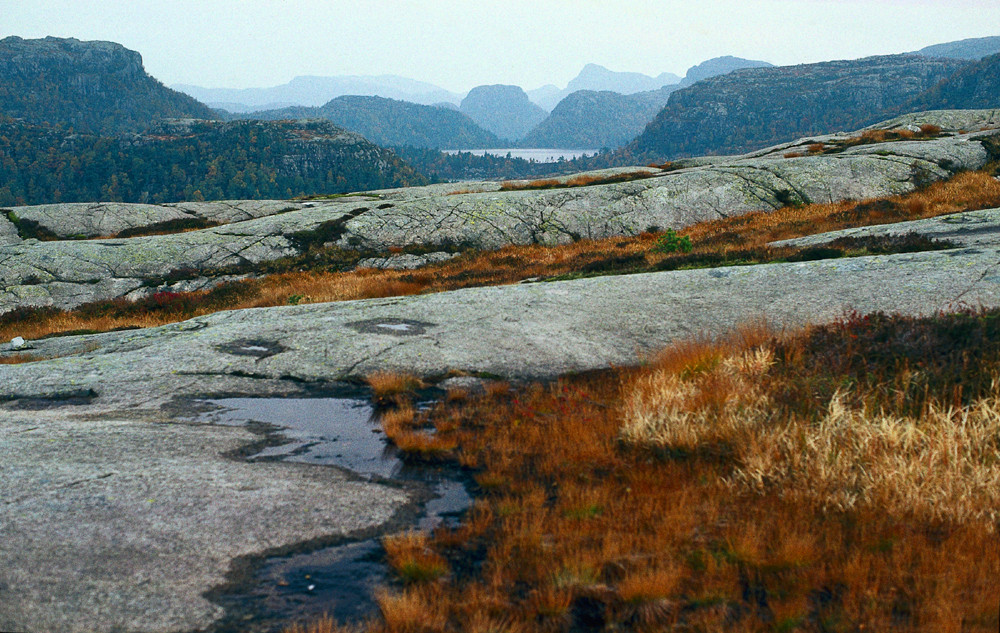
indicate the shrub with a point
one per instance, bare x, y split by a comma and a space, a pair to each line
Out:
671, 242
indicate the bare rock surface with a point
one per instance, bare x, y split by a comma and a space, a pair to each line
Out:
68, 273
113, 523
969, 229
114, 518
8, 232
103, 219
948, 120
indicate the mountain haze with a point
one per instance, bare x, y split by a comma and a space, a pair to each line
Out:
609, 119
93, 87
719, 66
971, 49
389, 122
315, 91
503, 110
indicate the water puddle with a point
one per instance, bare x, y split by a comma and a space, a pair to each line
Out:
338, 581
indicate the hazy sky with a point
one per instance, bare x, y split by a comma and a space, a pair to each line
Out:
459, 44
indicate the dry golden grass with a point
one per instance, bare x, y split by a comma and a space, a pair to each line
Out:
715, 489
21, 358
412, 559
583, 180
392, 387
943, 466
966, 191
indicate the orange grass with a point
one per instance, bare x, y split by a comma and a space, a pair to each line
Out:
388, 386
411, 558
966, 191
583, 180
587, 522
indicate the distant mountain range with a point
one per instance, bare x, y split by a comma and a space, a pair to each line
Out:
971, 49
589, 119
93, 87
393, 123
316, 91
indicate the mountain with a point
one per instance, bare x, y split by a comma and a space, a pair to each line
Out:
972, 88
503, 110
755, 107
972, 49
183, 160
389, 122
719, 66
315, 91
589, 119
547, 96
595, 77
93, 87
599, 119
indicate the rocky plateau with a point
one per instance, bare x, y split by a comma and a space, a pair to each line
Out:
119, 511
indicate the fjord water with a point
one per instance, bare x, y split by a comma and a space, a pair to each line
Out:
337, 580
537, 155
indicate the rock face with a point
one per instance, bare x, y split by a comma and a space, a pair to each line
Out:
598, 78
503, 110
976, 86
392, 123
97, 87
751, 108
68, 273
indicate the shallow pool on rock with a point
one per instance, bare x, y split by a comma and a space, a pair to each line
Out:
338, 580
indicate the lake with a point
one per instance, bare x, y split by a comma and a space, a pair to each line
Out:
538, 155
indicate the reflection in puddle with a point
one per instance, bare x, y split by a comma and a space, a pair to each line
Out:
339, 580
331, 431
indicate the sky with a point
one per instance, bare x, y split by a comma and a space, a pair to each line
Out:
459, 44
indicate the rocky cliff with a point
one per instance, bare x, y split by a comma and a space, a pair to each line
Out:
753, 108
974, 87
95, 87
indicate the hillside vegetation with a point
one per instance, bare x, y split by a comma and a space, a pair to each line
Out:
594, 120
90, 87
192, 160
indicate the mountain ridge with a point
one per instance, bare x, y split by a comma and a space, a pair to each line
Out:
91, 86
